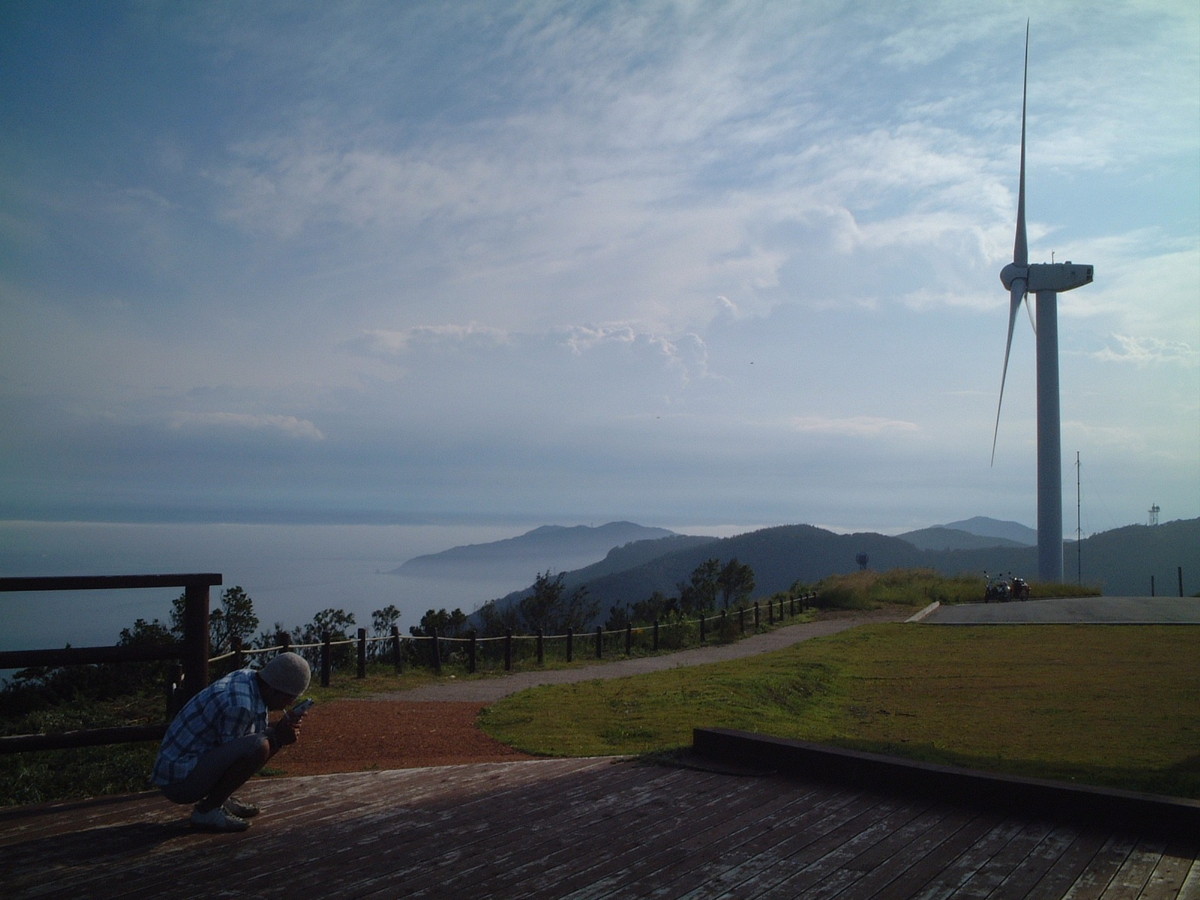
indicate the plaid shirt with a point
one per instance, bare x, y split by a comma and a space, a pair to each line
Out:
228, 708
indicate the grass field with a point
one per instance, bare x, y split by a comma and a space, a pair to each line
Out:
1106, 705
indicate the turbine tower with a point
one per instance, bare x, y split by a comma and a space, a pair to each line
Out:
1045, 281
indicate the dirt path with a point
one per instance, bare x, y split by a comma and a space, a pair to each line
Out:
435, 725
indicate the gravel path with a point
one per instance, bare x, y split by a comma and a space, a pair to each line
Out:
488, 690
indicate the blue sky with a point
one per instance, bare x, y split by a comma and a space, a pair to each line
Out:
682, 263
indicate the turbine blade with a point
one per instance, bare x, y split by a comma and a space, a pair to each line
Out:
1020, 246
1029, 309
1015, 298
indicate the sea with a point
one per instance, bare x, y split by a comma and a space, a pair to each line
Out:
290, 572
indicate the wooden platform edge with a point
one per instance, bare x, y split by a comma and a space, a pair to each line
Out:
1085, 804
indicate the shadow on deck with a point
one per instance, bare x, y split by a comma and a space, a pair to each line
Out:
580, 828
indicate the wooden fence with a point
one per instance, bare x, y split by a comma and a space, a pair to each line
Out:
191, 652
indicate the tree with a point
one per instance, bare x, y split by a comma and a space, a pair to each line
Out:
382, 621
551, 610
736, 582
334, 622
496, 618
448, 624
234, 618
699, 595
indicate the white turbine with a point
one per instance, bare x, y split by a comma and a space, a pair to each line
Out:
1046, 281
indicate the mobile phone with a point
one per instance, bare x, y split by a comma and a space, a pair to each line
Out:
300, 708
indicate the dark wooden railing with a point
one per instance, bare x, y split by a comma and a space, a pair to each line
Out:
191, 652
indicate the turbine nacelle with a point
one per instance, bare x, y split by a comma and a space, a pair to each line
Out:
1057, 277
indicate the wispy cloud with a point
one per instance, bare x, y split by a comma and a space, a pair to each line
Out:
227, 422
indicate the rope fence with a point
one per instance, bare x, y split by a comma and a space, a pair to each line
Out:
474, 653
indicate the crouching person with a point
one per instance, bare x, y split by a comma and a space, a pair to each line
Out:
221, 738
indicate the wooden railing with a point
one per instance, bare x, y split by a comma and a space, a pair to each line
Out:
191, 652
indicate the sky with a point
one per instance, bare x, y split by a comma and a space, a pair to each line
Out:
680, 263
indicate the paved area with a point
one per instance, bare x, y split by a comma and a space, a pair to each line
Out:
1073, 611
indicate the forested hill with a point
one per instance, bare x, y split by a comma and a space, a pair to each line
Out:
1121, 561
553, 547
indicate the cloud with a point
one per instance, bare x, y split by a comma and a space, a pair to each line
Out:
1143, 351
853, 426
227, 422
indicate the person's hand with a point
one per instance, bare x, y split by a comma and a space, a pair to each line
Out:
287, 730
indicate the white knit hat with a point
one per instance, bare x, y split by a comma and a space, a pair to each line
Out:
288, 673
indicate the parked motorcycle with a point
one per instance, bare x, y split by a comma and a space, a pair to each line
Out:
997, 589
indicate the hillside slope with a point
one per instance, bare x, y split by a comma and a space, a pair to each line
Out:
1120, 562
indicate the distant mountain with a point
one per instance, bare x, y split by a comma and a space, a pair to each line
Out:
985, 527
1120, 562
555, 548
945, 538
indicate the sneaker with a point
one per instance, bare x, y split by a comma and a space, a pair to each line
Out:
217, 819
236, 807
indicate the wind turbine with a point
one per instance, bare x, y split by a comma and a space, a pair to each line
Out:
1045, 281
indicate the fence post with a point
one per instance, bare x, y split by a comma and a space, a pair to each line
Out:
742, 619
326, 658
570, 644
239, 658
285, 641
656, 635
541, 648
362, 653
702, 628
437, 652
471, 652
771, 611
628, 638
756, 615
396, 649
508, 650
599, 642
195, 640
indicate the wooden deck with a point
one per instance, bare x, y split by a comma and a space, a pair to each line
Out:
575, 828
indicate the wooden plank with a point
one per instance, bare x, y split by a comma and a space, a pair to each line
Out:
566, 872
78, 656
1134, 873
704, 821
987, 879
881, 867
1075, 859
1170, 873
965, 829
1093, 881
554, 828
592, 809
827, 811
105, 582
839, 869
1031, 877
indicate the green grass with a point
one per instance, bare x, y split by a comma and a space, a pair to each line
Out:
1106, 705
